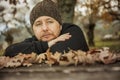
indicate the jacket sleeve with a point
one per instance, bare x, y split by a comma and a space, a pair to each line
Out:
76, 42
26, 47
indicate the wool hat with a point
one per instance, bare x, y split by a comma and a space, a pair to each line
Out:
45, 8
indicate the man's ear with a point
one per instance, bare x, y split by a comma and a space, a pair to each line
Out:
60, 27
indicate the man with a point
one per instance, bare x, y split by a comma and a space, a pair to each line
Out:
49, 32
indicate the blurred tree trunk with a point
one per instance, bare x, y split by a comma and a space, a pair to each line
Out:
67, 9
91, 27
90, 34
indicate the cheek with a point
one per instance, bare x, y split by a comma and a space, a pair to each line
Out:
37, 32
56, 31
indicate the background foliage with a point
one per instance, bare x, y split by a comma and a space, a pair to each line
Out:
99, 19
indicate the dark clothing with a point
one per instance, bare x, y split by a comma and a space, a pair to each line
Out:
76, 42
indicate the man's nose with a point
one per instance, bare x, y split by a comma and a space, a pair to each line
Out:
45, 27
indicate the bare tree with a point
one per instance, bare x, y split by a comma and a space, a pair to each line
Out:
67, 9
100, 9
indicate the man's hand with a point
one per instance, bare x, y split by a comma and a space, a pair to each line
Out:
60, 38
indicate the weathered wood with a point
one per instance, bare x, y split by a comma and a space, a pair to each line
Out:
80, 72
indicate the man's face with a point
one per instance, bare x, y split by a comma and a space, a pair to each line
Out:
46, 28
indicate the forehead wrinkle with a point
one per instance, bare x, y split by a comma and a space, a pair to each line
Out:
43, 19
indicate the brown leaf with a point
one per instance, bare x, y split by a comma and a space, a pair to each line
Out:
40, 58
50, 60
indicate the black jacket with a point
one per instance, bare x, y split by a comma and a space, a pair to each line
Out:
76, 42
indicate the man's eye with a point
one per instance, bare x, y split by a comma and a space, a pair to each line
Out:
50, 21
38, 24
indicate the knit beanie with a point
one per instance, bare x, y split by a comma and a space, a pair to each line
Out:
45, 8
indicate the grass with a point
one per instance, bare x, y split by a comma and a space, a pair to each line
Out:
114, 45
1, 52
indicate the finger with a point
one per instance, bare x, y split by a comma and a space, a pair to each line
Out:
66, 35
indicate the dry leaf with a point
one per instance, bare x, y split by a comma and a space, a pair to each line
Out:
40, 58
72, 57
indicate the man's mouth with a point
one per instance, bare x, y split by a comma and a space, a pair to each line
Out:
46, 35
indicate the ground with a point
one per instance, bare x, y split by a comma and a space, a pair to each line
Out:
80, 72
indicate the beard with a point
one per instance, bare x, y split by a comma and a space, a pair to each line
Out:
47, 36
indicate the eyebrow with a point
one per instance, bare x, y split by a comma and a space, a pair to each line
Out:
46, 19
37, 21
49, 19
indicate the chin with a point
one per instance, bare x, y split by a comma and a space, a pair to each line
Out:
47, 39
